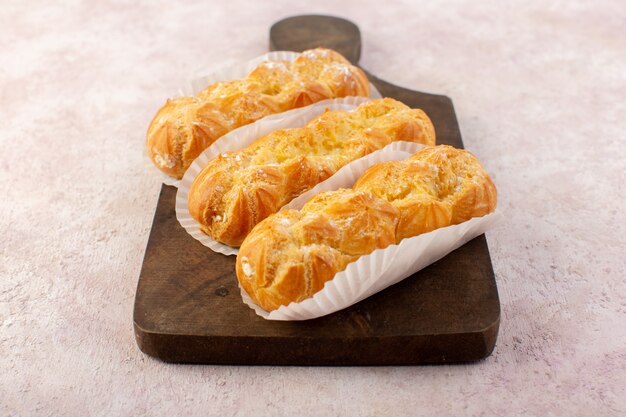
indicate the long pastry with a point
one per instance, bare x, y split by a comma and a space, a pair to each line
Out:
237, 190
290, 255
185, 126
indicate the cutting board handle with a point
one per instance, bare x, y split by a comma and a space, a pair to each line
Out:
298, 33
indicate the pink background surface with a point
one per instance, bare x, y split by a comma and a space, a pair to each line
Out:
540, 93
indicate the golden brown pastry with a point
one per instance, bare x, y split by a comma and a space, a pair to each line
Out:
238, 189
186, 126
290, 255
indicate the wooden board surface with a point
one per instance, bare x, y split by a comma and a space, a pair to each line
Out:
188, 307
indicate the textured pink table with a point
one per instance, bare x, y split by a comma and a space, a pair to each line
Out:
540, 93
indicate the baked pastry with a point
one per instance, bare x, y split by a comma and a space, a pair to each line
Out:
186, 126
238, 189
290, 255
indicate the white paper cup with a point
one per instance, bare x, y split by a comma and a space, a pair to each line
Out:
242, 137
382, 268
204, 77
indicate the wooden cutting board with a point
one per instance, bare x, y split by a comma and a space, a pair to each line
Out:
188, 307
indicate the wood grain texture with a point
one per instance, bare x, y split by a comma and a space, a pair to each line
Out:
299, 33
188, 307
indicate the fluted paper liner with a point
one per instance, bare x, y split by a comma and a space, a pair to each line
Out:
204, 77
382, 268
242, 137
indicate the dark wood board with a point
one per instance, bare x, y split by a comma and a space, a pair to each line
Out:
188, 308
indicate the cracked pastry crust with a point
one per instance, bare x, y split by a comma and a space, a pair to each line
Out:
290, 255
238, 189
186, 126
